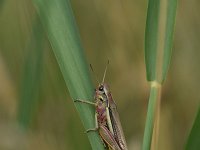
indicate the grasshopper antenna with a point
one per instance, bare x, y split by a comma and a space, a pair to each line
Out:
94, 74
104, 75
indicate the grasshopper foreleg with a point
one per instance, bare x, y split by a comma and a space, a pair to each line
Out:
84, 101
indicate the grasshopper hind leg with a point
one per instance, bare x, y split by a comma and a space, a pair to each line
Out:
108, 138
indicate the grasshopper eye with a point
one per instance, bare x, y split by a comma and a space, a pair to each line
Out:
101, 88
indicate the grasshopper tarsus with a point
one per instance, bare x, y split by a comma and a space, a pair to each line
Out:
91, 130
76, 100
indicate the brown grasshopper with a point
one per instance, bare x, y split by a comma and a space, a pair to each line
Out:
106, 117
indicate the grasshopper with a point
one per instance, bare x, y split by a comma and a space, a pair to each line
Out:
107, 121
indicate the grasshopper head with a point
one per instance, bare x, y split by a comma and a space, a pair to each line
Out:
100, 94
102, 90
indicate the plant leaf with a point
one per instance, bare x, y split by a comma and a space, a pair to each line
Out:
194, 137
58, 20
29, 93
159, 37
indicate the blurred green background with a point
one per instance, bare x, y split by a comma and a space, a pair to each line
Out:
111, 30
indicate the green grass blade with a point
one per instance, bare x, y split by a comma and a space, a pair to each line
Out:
168, 39
153, 102
194, 137
57, 18
29, 93
148, 131
159, 37
158, 43
151, 34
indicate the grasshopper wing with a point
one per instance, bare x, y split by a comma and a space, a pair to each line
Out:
116, 124
107, 136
